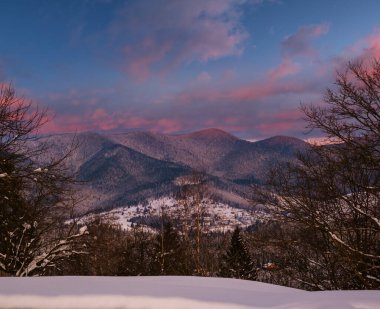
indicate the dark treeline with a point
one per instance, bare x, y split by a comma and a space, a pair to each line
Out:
142, 251
274, 252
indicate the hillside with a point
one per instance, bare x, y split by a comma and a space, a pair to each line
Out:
128, 174
198, 150
120, 169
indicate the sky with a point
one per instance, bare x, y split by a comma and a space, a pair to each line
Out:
177, 66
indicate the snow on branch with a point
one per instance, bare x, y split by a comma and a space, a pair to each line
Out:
61, 249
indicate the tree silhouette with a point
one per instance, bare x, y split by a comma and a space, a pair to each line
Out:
332, 192
237, 262
35, 195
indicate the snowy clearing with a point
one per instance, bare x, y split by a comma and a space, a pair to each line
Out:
170, 292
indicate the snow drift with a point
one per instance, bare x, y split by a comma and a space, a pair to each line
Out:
170, 292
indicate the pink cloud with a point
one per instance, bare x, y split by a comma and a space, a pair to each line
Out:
4, 85
299, 43
367, 48
264, 89
228, 75
293, 115
171, 33
281, 122
67, 123
140, 65
203, 77
286, 68
167, 125
98, 114
373, 49
277, 128
205, 107
100, 119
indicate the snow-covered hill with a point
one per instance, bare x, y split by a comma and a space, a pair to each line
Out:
170, 293
217, 217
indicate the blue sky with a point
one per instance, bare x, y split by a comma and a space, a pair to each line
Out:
176, 66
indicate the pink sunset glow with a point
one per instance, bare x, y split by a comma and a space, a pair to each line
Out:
180, 66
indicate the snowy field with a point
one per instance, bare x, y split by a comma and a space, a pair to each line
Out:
170, 293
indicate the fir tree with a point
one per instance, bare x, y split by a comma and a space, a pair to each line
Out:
237, 262
168, 252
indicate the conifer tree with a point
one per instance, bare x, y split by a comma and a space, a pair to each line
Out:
168, 252
237, 262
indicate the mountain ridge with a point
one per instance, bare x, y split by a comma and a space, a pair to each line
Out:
123, 168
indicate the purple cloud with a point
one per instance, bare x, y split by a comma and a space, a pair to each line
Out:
286, 68
166, 34
299, 43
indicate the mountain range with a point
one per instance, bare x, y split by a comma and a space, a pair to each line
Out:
120, 169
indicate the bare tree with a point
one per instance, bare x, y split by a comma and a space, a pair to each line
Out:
333, 192
190, 215
35, 196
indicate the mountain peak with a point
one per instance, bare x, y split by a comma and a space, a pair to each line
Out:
211, 133
282, 139
282, 143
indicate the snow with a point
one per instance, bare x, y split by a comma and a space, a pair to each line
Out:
170, 292
26, 226
83, 230
220, 216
